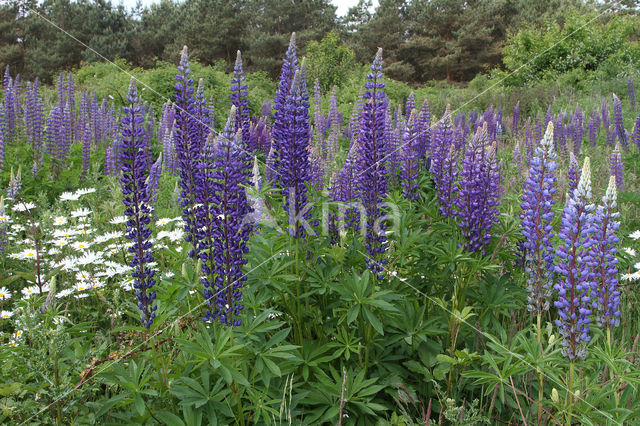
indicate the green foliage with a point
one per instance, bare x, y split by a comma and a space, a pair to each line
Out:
584, 42
329, 61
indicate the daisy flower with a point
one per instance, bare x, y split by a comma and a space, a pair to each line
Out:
637, 265
163, 221
629, 251
6, 314
4, 218
81, 245
28, 254
85, 191
68, 196
629, 277
89, 258
23, 207
59, 221
14, 256
64, 293
53, 251
635, 235
5, 294
81, 286
118, 220
60, 243
81, 212
27, 292
83, 275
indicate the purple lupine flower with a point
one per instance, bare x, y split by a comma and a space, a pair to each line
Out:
280, 129
410, 158
537, 134
317, 170
372, 185
537, 216
136, 200
153, 179
515, 120
295, 167
354, 120
573, 174
86, 151
593, 130
574, 284
410, 105
61, 88
547, 118
393, 137
517, 155
617, 168
109, 161
479, 191
17, 103
318, 117
444, 159
335, 118
632, 92
9, 105
223, 225
187, 146
528, 141
239, 99
635, 136
71, 103
604, 261
424, 129
35, 120
619, 123
343, 190
578, 130
2, 137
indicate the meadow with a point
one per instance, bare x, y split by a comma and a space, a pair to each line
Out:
183, 246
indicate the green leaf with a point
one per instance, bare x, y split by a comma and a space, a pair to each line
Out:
373, 320
169, 418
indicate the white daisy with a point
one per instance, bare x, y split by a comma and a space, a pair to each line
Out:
637, 265
28, 254
68, 196
59, 221
90, 258
64, 293
81, 286
118, 220
53, 251
17, 335
23, 207
5, 294
630, 251
629, 277
4, 218
82, 275
81, 245
60, 243
14, 255
163, 221
81, 212
85, 191
6, 314
27, 292
635, 235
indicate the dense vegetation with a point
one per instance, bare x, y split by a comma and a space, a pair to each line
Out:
182, 243
423, 40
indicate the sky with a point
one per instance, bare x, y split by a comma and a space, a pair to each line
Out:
343, 5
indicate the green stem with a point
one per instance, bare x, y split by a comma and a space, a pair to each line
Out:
570, 394
611, 369
540, 375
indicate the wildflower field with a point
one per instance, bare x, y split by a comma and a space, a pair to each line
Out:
185, 255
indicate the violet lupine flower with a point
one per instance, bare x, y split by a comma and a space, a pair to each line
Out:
318, 118
410, 158
444, 164
393, 137
410, 105
344, 191
153, 179
547, 117
479, 191
201, 114
71, 103
295, 167
424, 130
635, 136
136, 200
515, 120
335, 118
632, 92
372, 185
528, 141
593, 130
187, 145
573, 173
578, 130
9, 106
223, 225
575, 276
537, 134
280, 130
34, 112
617, 168
354, 120
239, 99
2, 137
517, 155
109, 161
603, 259
86, 151
537, 215
619, 123
606, 122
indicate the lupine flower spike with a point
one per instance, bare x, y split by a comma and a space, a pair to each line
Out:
136, 200
604, 261
617, 168
537, 215
574, 273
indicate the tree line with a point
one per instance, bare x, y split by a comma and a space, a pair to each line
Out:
422, 39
